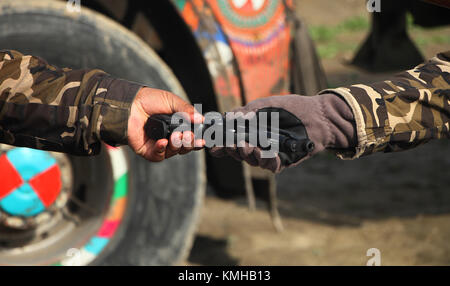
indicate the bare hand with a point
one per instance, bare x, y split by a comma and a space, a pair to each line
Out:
151, 101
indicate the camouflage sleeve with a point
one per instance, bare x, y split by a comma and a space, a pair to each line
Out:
410, 109
72, 111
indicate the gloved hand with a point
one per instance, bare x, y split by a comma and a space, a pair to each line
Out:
327, 118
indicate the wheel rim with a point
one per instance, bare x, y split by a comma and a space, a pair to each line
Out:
30, 27
68, 231
36, 185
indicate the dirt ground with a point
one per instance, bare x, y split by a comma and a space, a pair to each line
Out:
334, 211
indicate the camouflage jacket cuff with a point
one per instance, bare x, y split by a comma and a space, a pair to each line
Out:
369, 138
112, 106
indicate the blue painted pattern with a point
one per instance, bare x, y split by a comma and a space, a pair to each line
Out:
96, 244
30, 162
22, 202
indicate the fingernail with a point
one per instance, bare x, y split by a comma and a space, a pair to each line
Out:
199, 143
198, 118
176, 140
161, 147
187, 139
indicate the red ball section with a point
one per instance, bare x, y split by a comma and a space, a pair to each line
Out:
10, 178
47, 185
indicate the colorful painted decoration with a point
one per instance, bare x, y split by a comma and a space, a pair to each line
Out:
259, 36
33, 186
216, 51
31, 182
86, 253
250, 43
249, 6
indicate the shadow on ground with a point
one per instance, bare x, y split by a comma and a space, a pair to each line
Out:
210, 251
333, 191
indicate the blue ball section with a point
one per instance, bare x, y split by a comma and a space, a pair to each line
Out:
22, 202
30, 162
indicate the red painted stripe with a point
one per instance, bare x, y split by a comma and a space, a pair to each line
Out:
111, 147
10, 178
47, 185
108, 228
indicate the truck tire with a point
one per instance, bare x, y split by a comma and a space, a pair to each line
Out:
161, 202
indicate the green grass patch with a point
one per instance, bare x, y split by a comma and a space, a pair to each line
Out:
355, 24
333, 39
330, 50
327, 37
440, 39
424, 37
323, 33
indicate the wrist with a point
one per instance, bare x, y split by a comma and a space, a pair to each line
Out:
115, 98
338, 118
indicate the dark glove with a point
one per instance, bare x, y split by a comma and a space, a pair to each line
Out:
327, 118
